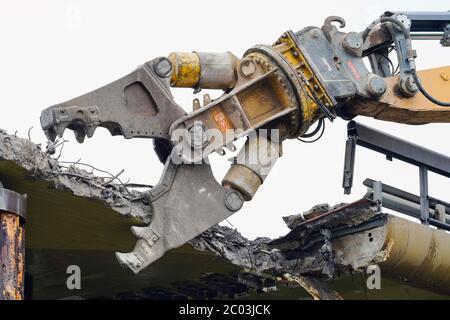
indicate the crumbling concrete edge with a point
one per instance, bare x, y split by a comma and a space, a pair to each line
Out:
228, 243
69, 177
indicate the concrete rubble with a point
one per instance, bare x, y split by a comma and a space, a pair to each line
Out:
325, 242
70, 177
275, 256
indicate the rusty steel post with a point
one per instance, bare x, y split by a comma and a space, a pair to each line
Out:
12, 244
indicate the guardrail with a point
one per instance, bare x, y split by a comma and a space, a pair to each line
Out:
429, 210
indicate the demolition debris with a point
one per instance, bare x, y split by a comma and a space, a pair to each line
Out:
325, 243
69, 176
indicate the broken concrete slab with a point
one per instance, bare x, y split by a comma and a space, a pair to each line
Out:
64, 199
38, 165
346, 240
76, 217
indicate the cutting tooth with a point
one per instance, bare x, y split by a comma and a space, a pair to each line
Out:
59, 129
80, 135
90, 131
129, 261
122, 258
138, 232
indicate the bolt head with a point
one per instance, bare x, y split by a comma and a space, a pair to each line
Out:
411, 84
233, 200
247, 68
198, 135
315, 33
163, 67
376, 86
354, 40
404, 20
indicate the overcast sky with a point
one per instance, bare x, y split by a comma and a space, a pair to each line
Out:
52, 51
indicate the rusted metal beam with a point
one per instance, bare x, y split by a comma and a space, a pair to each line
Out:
12, 245
12, 257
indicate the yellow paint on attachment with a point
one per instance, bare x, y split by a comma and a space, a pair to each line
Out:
393, 106
186, 69
294, 56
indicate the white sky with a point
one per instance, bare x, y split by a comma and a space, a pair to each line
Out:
52, 51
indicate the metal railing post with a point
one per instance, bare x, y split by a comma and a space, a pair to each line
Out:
440, 213
424, 201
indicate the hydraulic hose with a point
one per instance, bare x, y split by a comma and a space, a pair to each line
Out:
426, 94
407, 35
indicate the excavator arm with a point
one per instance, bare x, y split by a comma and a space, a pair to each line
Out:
275, 92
